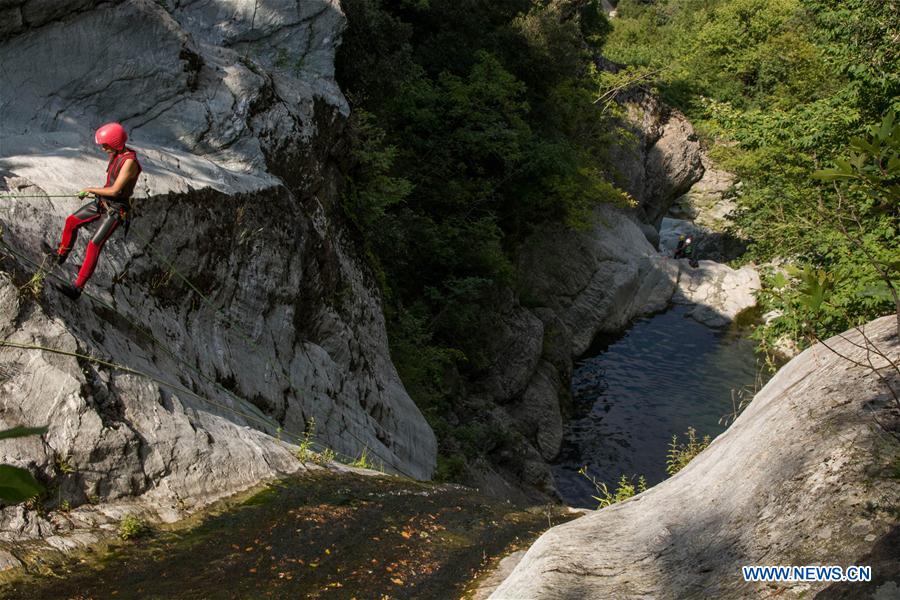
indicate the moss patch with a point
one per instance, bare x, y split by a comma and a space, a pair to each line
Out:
319, 535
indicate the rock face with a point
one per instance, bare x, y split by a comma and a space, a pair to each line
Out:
660, 159
705, 212
598, 280
710, 201
238, 302
806, 475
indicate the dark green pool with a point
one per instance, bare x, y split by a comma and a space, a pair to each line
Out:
666, 373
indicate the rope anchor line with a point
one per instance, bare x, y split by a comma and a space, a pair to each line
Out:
139, 373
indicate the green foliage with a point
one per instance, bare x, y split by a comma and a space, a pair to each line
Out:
363, 461
625, 489
791, 86
35, 285
304, 449
680, 454
374, 190
450, 468
327, 455
132, 527
473, 124
17, 432
873, 166
18, 485
64, 466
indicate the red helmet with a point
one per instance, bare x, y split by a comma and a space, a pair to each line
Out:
113, 135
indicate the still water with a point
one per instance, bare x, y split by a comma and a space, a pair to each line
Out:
632, 393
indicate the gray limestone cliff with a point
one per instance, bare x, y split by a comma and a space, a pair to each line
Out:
238, 303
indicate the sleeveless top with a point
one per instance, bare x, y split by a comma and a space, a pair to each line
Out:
115, 166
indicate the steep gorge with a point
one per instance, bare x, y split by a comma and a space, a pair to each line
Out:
242, 290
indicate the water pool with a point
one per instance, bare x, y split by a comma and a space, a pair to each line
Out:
631, 393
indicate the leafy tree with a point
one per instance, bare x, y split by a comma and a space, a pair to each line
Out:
472, 125
788, 85
867, 210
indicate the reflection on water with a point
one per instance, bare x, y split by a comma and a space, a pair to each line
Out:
631, 394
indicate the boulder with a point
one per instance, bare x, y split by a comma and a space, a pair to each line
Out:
658, 158
806, 475
718, 292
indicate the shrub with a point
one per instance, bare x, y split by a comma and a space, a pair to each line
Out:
132, 527
625, 489
304, 450
680, 455
363, 461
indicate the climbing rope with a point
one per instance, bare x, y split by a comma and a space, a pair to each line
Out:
162, 382
243, 334
300, 437
175, 357
39, 196
149, 335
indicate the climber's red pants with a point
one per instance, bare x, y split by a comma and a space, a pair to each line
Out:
111, 216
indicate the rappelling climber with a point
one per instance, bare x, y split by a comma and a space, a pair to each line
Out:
111, 205
685, 249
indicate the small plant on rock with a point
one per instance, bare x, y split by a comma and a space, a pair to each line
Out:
365, 462
132, 527
35, 285
304, 450
680, 455
625, 488
324, 457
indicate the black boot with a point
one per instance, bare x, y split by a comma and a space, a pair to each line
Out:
68, 290
53, 253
